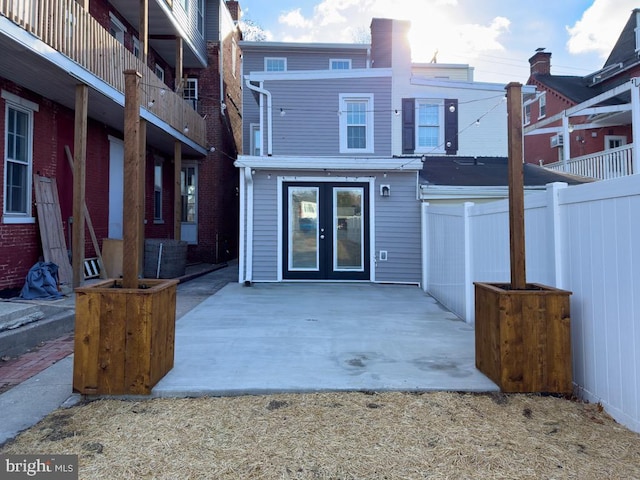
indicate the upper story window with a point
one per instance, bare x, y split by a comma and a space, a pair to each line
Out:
18, 158
159, 72
136, 47
542, 103
185, 4
256, 140
201, 17
234, 57
429, 125
190, 92
116, 28
340, 63
356, 123
272, 64
527, 114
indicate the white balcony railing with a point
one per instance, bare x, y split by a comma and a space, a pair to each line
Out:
617, 162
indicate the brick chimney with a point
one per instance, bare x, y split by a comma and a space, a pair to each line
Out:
540, 63
234, 9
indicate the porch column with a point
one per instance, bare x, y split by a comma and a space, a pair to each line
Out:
177, 190
132, 182
79, 180
179, 62
566, 144
635, 124
143, 29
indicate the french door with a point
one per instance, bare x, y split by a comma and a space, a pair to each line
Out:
326, 231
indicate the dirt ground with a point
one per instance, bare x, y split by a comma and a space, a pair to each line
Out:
361, 435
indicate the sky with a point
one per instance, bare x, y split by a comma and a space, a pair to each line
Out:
496, 37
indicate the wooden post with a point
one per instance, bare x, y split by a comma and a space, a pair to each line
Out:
144, 29
79, 180
179, 62
141, 191
516, 186
131, 200
177, 195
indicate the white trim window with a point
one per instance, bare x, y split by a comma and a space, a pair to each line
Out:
159, 71
356, 123
18, 158
275, 64
137, 48
184, 4
542, 105
201, 17
429, 126
255, 140
116, 28
340, 64
190, 92
527, 114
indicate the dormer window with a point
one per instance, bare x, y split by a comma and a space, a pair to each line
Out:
340, 64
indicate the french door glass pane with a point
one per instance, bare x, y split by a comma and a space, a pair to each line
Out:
303, 228
348, 234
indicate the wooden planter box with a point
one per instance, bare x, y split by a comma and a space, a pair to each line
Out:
124, 338
523, 337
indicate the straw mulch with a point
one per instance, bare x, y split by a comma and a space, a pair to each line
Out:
356, 435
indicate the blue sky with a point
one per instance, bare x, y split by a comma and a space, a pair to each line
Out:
497, 37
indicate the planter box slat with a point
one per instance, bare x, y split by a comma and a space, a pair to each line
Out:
523, 340
124, 340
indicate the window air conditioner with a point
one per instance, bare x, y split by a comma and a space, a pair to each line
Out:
556, 141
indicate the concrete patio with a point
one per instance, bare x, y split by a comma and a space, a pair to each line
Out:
308, 337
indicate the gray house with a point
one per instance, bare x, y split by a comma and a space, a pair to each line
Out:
335, 137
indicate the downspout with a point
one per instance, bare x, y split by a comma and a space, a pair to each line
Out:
267, 94
243, 228
249, 230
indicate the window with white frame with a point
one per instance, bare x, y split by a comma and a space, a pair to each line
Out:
190, 92
201, 17
356, 123
256, 140
527, 114
340, 64
157, 192
273, 64
159, 72
542, 104
429, 125
116, 28
18, 157
184, 4
234, 57
136, 47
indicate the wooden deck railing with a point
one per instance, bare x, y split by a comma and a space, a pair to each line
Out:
68, 28
617, 162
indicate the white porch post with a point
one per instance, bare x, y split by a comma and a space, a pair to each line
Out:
635, 124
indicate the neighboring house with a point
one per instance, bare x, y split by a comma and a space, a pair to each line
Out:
48, 52
584, 125
335, 139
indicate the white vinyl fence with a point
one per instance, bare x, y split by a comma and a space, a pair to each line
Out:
585, 239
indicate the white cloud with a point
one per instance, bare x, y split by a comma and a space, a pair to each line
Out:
599, 27
295, 19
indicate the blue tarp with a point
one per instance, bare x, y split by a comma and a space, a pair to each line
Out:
41, 282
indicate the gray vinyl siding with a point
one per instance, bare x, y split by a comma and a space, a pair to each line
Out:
311, 124
301, 58
265, 228
398, 230
397, 225
189, 21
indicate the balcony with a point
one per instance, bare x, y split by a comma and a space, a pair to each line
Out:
617, 162
64, 26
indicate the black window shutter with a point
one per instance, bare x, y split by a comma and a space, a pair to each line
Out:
451, 126
408, 125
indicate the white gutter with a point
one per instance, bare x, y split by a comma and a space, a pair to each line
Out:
267, 94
